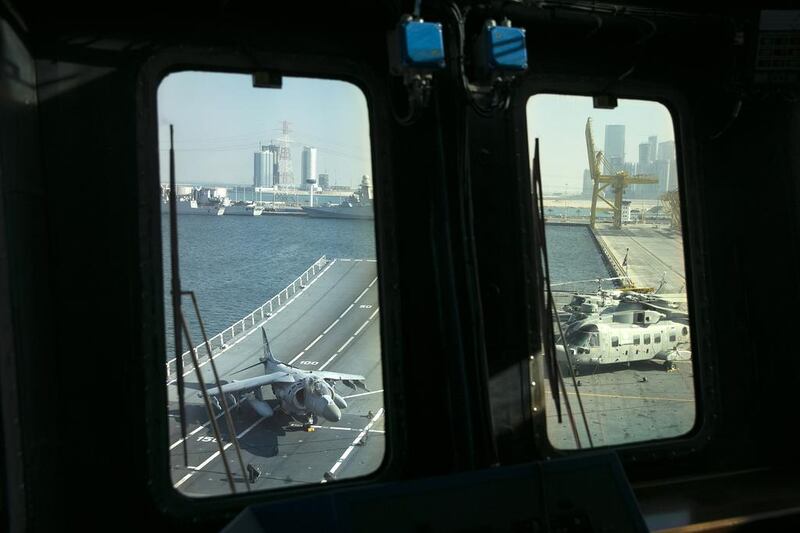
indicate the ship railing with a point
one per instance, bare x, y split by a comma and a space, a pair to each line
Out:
263, 313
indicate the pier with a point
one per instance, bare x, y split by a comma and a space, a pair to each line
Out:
644, 255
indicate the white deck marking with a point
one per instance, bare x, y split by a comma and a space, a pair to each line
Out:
216, 454
295, 358
348, 429
355, 442
348, 309
255, 328
363, 394
362, 327
362, 294
313, 342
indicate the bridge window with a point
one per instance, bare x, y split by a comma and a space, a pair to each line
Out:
276, 240
611, 207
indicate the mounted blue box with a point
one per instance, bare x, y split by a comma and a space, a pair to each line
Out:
506, 48
421, 45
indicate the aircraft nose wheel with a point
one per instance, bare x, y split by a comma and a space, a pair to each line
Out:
670, 366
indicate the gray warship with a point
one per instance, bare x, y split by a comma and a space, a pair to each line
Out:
357, 206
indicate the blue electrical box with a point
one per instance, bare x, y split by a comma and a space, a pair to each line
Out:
505, 48
421, 45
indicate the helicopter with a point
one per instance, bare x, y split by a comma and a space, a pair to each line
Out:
624, 336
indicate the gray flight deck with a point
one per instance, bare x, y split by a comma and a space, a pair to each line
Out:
641, 401
331, 322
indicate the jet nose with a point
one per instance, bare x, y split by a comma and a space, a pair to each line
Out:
331, 412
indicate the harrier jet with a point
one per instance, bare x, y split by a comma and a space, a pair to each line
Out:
301, 393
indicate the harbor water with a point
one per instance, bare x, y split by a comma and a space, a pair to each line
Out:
235, 264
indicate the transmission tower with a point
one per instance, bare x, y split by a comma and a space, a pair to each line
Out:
285, 171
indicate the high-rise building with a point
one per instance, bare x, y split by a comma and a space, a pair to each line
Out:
666, 150
588, 186
644, 159
614, 148
653, 142
308, 167
324, 182
264, 163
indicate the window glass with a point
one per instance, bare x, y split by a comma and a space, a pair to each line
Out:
277, 242
611, 207
615, 341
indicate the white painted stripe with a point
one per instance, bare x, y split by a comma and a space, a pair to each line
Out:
362, 294
374, 313
216, 454
255, 328
329, 327
362, 327
371, 283
348, 309
348, 429
363, 394
355, 442
348, 341
313, 342
296, 357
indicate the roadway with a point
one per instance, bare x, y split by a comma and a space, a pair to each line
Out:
332, 324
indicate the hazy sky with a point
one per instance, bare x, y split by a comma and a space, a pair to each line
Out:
560, 121
220, 120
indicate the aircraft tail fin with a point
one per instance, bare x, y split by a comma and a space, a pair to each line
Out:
268, 357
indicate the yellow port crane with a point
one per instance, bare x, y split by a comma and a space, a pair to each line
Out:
618, 181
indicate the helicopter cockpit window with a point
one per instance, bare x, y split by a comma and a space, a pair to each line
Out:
281, 366
611, 199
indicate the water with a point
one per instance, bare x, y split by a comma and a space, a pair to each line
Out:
235, 264
574, 256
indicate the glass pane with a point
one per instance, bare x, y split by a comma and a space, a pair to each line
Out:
613, 228
277, 242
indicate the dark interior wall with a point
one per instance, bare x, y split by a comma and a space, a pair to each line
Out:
71, 199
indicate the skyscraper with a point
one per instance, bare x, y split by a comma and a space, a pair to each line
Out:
264, 163
308, 167
614, 148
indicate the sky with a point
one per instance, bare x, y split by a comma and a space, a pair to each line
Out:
220, 119
560, 121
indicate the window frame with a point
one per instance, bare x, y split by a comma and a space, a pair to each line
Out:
707, 400
226, 60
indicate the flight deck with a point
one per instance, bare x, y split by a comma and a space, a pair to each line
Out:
327, 320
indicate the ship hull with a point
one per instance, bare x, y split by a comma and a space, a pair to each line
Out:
352, 213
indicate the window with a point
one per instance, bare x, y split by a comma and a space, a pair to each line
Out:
277, 242
611, 208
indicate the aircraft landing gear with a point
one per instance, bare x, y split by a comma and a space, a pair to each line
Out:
309, 425
669, 366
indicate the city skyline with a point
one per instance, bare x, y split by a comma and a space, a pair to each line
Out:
220, 121
559, 121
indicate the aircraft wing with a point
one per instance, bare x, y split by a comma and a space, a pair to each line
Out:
351, 380
252, 383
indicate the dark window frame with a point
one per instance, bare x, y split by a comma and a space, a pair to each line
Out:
224, 60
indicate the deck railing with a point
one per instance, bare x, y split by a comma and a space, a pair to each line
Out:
221, 340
